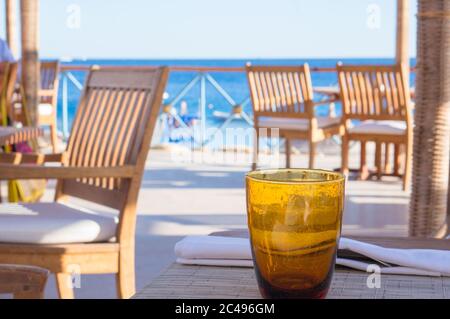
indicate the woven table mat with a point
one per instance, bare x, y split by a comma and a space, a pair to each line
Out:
202, 282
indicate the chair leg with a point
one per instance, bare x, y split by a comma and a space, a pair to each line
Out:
364, 171
387, 157
63, 282
408, 162
288, 153
54, 137
397, 156
344, 155
312, 153
125, 278
378, 159
255, 149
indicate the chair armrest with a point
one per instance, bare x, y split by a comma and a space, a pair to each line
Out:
31, 158
25, 171
23, 281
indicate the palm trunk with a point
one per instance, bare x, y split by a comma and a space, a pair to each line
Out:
29, 14
11, 25
428, 207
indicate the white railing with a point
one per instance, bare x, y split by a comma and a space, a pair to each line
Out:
238, 109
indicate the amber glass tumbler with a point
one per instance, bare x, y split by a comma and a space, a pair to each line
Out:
294, 219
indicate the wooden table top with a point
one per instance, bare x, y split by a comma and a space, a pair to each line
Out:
205, 282
11, 135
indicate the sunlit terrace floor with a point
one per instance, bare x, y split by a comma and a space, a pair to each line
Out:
179, 198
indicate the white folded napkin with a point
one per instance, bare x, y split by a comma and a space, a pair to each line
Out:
230, 251
213, 247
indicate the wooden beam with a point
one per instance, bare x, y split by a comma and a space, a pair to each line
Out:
29, 15
446, 229
11, 26
402, 35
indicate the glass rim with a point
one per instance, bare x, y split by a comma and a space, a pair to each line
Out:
339, 176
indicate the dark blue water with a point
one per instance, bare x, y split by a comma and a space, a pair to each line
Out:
234, 83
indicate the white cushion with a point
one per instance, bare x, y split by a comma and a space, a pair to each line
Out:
295, 124
53, 223
379, 127
45, 109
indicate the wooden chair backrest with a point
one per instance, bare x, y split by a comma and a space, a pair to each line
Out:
281, 91
113, 127
49, 81
8, 76
374, 92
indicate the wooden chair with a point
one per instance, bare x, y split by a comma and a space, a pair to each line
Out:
282, 97
8, 76
23, 282
378, 98
103, 163
48, 95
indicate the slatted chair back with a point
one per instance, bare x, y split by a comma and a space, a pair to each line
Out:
374, 92
49, 81
113, 127
281, 91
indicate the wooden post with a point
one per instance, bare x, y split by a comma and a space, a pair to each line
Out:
428, 206
11, 26
402, 37
446, 230
29, 15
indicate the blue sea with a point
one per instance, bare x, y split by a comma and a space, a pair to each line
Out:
234, 83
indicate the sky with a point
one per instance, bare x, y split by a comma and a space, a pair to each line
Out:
162, 29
